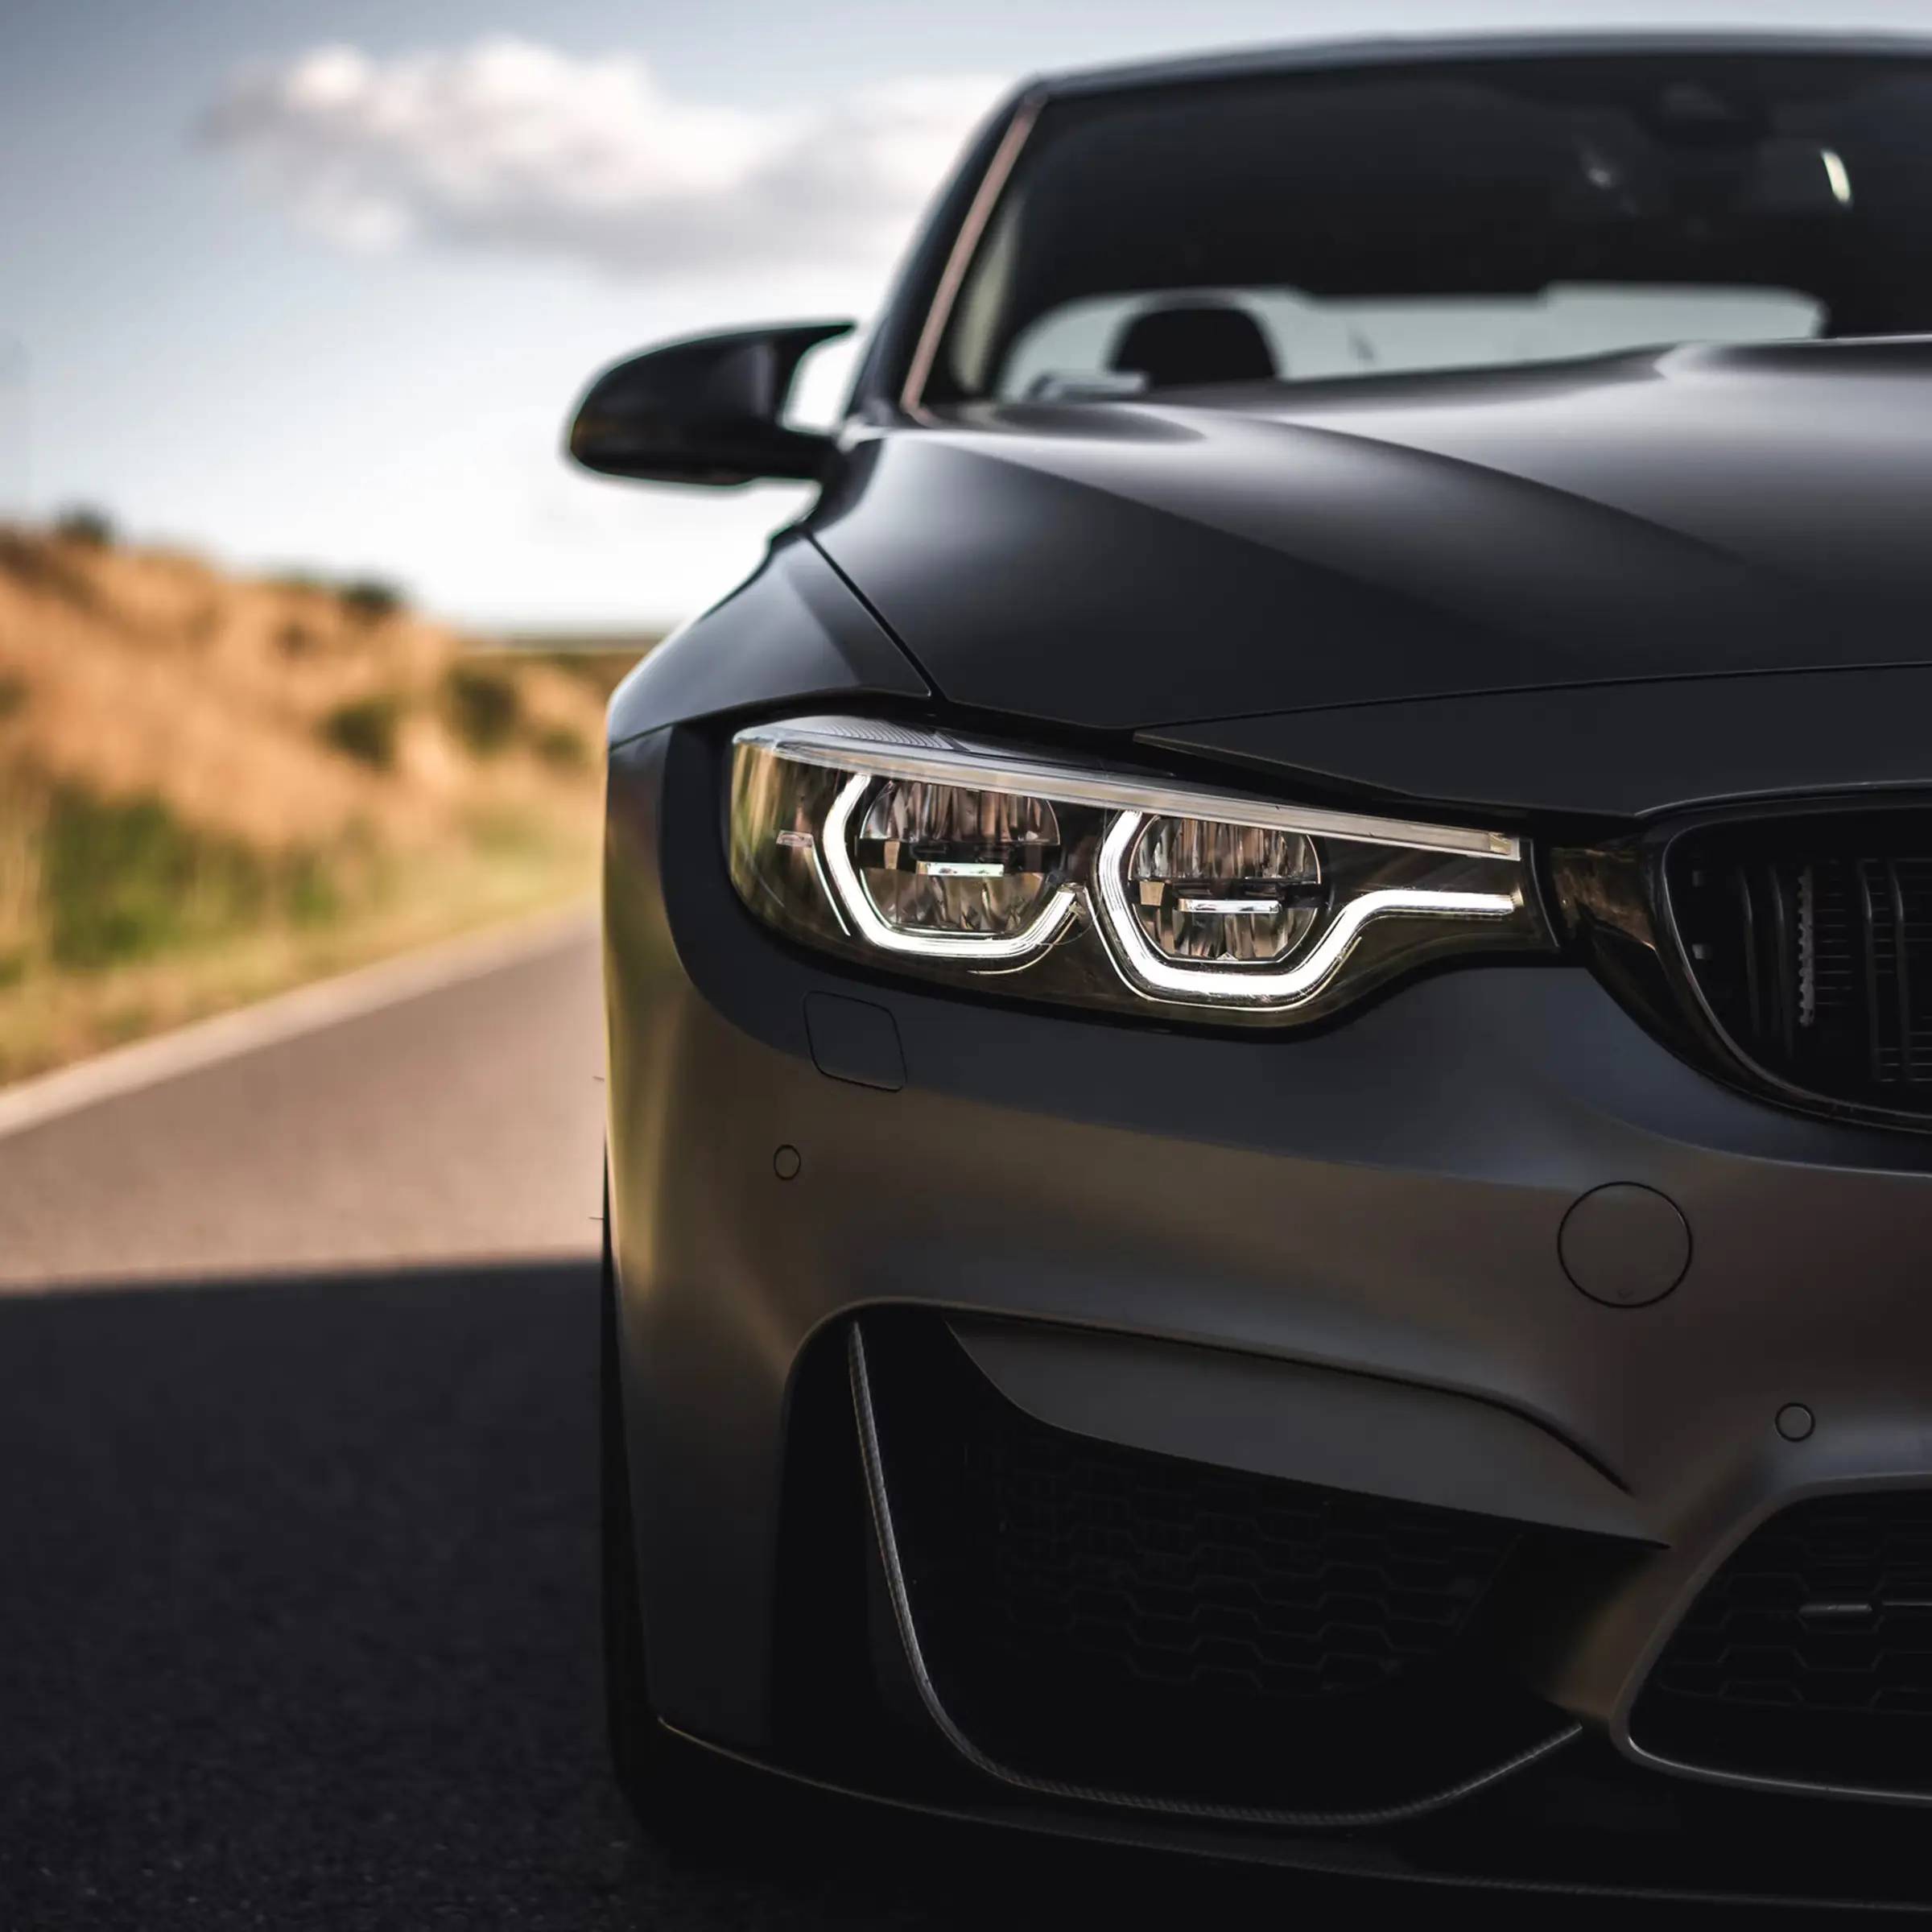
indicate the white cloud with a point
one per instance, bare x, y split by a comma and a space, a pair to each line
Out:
515, 147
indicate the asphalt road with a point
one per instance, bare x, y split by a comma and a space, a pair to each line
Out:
447, 1108
298, 1629
297, 1620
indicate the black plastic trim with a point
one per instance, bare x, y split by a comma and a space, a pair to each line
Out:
1021, 1780
1623, 1725
1612, 903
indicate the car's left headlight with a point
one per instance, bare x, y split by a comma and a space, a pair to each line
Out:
1024, 873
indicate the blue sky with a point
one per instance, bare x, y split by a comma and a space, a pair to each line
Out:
288, 306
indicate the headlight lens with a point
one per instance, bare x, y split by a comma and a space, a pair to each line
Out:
964, 861
947, 861
1229, 895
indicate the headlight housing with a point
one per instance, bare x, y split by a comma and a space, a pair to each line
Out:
1023, 873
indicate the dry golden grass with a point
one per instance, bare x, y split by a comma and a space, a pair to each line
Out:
212, 789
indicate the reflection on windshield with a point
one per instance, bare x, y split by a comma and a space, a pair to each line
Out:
1086, 350
1306, 226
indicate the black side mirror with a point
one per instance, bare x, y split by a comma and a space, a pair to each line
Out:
704, 410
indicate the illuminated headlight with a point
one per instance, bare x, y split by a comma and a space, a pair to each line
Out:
962, 861
947, 870
1233, 895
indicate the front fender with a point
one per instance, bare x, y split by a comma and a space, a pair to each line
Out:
793, 630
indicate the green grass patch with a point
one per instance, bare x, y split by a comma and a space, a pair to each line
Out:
125, 879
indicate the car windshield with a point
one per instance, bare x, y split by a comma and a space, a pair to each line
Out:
1489, 211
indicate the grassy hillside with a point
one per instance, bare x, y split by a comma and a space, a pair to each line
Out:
212, 789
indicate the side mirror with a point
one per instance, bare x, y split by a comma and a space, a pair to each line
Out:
704, 410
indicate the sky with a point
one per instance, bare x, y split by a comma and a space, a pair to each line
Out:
304, 286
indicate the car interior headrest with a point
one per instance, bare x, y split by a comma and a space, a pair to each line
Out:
1194, 342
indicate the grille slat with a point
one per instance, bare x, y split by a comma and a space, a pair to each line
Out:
1783, 960
1754, 1001
1811, 942
1867, 937
1902, 963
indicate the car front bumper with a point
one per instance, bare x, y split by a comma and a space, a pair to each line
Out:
1336, 1259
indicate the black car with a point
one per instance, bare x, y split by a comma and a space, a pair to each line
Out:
1270, 988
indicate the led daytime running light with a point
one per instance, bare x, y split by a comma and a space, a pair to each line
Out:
857, 905
1296, 982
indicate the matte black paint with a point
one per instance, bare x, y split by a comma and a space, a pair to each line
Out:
1384, 1199
705, 411
1404, 51
1611, 588
1622, 751
1284, 1419
1695, 512
855, 1040
793, 632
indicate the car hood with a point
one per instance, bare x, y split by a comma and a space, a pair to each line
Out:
1691, 513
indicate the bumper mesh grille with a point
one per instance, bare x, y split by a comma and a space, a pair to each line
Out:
1167, 1573
1104, 1614
1809, 1656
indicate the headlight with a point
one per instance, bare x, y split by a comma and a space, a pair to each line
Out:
962, 861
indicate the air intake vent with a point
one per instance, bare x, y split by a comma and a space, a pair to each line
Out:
1811, 942
1809, 1656
1100, 1615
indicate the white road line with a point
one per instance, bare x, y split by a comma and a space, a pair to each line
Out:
307, 1009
